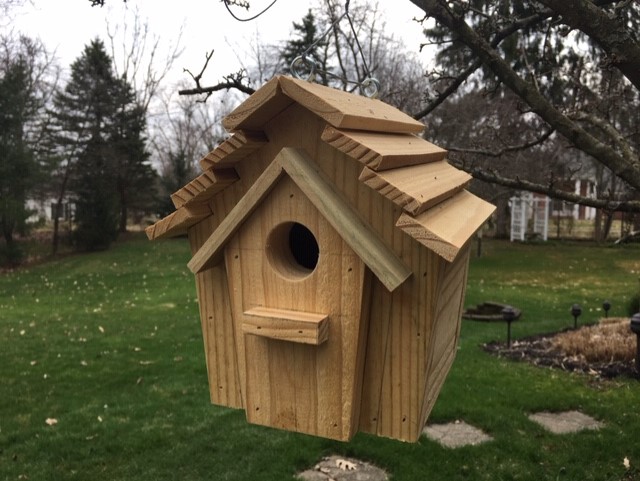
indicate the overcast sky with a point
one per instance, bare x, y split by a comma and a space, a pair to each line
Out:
67, 25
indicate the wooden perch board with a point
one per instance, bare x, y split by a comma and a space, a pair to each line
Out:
383, 151
419, 187
204, 187
286, 325
447, 227
234, 149
382, 261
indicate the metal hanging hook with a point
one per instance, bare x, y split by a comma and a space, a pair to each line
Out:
370, 87
304, 68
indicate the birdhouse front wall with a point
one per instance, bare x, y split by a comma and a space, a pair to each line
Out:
293, 381
400, 374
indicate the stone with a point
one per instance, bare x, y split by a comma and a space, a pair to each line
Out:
456, 434
338, 468
565, 422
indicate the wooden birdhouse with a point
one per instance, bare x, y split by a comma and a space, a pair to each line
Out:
330, 248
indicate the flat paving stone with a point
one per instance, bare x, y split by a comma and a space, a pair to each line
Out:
338, 468
565, 422
456, 434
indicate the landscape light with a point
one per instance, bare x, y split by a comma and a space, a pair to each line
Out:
635, 328
606, 305
576, 310
508, 315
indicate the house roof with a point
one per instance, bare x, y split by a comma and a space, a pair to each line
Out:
406, 169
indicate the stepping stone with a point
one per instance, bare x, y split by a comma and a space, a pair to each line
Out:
456, 434
565, 422
337, 468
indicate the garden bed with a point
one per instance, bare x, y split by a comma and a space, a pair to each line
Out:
605, 350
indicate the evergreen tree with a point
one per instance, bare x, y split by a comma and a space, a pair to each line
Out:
305, 35
85, 111
23, 67
135, 179
101, 130
16, 157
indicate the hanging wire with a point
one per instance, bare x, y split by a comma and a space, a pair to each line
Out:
227, 2
370, 86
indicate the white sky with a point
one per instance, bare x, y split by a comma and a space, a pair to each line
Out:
67, 25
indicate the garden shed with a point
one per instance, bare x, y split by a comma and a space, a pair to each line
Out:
330, 249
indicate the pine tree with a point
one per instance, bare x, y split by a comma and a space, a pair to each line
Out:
23, 67
306, 34
135, 179
16, 157
85, 111
101, 129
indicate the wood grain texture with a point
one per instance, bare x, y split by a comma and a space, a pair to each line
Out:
285, 325
447, 227
338, 108
218, 328
445, 328
328, 390
382, 261
178, 222
419, 187
294, 386
344, 110
234, 149
395, 376
204, 187
259, 108
210, 253
383, 151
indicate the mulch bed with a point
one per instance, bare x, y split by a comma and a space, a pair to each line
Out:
539, 351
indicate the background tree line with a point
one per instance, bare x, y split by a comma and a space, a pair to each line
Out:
525, 95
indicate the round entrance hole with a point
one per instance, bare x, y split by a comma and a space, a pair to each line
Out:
292, 250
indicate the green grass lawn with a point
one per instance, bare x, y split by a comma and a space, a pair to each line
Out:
109, 346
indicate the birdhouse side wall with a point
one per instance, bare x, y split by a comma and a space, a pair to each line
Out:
218, 328
446, 328
398, 355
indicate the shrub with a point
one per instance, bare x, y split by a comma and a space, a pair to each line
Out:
605, 342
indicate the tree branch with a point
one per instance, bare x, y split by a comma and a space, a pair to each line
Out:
608, 32
608, 205
231, 81
506, 150
629, 171
466, 73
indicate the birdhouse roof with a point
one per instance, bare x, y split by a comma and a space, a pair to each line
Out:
437, 211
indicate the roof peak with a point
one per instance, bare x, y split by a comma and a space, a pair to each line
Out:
338, 108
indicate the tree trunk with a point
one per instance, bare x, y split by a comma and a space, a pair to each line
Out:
597, 235
124, 210
608, 222
55, 242
123, 218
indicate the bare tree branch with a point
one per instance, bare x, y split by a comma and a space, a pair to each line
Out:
613, 135
629, 171
609, 205
136, 57
608, 32
506, 150
231, 81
